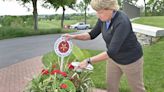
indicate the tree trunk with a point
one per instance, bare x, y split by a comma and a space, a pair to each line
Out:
62, 18
85, 15
153, 8
145, 7
35, 14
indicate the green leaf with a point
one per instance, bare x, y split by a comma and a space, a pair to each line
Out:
78, 53
71, 87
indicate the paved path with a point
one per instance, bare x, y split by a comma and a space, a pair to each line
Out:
15, 77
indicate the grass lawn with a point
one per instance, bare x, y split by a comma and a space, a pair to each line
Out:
157, 21
46, 24
13, 32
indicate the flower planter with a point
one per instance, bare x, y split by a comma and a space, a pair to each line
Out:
52, 79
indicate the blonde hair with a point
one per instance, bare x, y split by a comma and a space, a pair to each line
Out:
104, 4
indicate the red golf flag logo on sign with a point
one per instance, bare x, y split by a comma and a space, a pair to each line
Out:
62, 47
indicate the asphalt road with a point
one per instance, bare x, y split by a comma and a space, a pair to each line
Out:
18, 49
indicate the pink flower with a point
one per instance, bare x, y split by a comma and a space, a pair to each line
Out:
63, 86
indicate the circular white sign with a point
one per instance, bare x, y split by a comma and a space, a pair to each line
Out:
62, 47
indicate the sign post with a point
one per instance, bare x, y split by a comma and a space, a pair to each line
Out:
62, 48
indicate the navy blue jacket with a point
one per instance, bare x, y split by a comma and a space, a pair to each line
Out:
121, 42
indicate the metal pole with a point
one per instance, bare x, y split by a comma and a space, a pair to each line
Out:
61, 64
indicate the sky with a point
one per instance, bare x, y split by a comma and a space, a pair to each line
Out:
13, 7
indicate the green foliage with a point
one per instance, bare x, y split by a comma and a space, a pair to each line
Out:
82, 6
59, 3
70, 84
35, 13
76, 55
25, 1
79, 55
155, 8
51, 57
51, 78
56, 4
20, 26
133, 2
12, 32
51, 81
17, 21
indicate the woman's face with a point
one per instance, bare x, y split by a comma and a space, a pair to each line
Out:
104, 14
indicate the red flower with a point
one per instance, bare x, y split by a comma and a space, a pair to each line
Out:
70, 66
63, 86
55, 72
64, 74
45, 72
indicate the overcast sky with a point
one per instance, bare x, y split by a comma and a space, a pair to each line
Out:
12, 7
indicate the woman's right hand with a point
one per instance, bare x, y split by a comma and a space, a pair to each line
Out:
68, 36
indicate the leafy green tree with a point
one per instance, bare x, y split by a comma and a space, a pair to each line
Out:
145, 6
83, 6
120, 3
56, 4
86, 3
35, 13
155, 7
133, 2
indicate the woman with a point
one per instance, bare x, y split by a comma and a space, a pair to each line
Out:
124, 53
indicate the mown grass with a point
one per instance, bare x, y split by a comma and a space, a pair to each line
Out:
46, 24
157, 21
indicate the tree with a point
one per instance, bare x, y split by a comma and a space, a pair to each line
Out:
56, 4
35, 13
155, 7
145, 7
86, 2
120, 3
83, 6
133, 2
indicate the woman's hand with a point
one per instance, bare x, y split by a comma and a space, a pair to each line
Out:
68, 36
83, 64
